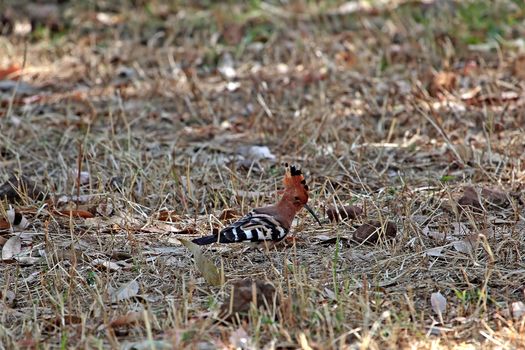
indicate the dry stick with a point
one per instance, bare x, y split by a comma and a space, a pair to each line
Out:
441, 131
12, 100
79, 166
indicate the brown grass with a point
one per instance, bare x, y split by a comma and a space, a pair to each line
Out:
356, 100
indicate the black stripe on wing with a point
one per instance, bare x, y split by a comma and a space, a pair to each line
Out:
254, 227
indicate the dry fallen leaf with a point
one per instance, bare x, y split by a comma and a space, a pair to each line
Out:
129, 319
442, 81
495, 197
437, 235
436, 251
16, 186
245, 292
76, 213
11, 72
343, 212
4, 225
460, 229
468, 244
84, 176
28, 260
255, 153
126, 291
372, 231
470, 199
439, 304
208, 270
11, 248
106, 265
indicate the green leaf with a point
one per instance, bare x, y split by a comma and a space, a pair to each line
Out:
447, 178
209, 271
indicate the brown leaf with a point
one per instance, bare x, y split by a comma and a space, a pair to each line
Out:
490, 197
344, 212
16, 186
76, 213
442, 81
4, 225
12, 72
11, 248
129, 319
371, 232
208, 270
121, 255
470, 199
245, 292
495, 197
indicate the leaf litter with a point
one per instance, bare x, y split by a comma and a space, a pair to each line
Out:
161, 117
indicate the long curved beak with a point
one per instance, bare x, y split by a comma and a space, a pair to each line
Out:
310, 210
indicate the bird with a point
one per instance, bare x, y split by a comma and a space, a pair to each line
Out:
272, 223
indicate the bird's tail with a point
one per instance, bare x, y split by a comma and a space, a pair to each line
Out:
205, 240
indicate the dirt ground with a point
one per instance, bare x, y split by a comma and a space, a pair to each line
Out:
127, 126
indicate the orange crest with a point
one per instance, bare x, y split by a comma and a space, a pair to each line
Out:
294, 182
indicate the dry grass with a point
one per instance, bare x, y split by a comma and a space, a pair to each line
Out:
360, 102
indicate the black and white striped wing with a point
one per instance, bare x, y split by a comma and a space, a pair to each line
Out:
254, 227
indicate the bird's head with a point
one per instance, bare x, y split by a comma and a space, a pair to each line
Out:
296, 190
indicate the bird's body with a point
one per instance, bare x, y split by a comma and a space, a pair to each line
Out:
253, 227
267, 224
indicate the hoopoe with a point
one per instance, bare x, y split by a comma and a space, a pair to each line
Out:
271, 223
